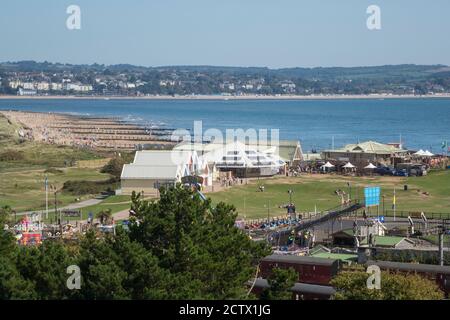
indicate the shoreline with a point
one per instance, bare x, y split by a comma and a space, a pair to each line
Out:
225, 98
97, 133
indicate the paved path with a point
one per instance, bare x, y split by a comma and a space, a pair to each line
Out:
73, 206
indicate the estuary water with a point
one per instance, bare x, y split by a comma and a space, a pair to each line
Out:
421, 123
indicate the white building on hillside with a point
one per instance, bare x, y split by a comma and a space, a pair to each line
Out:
241, 159
155, 168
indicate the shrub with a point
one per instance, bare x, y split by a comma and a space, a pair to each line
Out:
88, 187
11, 155
54, 171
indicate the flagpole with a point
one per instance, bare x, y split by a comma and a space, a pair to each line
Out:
395, 205
46, 198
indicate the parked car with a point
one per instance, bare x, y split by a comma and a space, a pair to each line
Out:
401, 173
384, 171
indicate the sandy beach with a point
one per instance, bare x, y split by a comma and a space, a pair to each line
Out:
87, 132
241, 97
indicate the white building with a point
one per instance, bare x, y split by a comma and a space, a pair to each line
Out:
42, 86
28, 85
15, 84
26, 92
241, 159
154, 168
56, 86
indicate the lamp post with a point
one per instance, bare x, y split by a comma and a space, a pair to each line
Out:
350, 190
56, 208
290, 195
268, 212
290, 206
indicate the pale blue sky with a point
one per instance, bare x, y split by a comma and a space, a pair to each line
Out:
273, 33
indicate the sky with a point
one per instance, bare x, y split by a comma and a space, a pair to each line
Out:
264, 33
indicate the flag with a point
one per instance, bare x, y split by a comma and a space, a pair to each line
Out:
46, 183
394, 200
444, 144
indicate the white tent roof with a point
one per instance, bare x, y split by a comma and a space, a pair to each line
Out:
419, 153
370, 166
428, 154
328, 165
349, 165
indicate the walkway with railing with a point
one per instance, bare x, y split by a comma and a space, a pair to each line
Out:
319, 218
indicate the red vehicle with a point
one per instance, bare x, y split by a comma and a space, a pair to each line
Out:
310, 269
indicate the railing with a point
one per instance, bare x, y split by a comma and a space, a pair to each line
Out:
322, 217
412, 214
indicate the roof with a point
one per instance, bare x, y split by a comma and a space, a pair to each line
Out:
413, 267
312, 156
368, 147
347, 232
287, 150
388, 241
337, 256
301, 287
133, 171
162, 157
299, 259
290, 150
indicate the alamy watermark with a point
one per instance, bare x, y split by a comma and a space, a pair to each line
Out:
248, 139
374, 20
74, 280
374, 280
73, 22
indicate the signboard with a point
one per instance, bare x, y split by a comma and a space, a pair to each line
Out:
372, 196
71, 213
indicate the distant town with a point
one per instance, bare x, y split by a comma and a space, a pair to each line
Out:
30, 78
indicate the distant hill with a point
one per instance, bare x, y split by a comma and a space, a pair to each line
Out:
396, 79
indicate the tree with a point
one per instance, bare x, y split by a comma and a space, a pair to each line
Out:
102, 276
397, 286
104, 216
45, 267
280, 283
114, 167
12, 284
5, 215
198, 245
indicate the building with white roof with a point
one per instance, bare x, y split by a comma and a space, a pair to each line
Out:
243, 160
152, 169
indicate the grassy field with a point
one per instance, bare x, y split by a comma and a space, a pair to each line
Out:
22, 178
24, 190
319, 191
34, 155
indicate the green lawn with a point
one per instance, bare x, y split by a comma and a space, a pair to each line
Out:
24, 190
318, 190
22, 179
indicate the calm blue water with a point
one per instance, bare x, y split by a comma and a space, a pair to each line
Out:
423, 123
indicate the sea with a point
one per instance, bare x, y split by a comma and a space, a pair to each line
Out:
319, 124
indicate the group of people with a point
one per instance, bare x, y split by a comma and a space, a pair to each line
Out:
273, 223
229, 182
